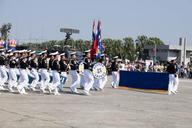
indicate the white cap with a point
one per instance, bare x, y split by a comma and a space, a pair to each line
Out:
62, 54
32, 52
10, 50
54, 53
11, 54
115, 57
44, 52
73, 53
102, 55
87, 51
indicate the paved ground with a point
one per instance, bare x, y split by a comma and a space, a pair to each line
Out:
112, 108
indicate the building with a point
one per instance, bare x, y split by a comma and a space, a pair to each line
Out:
182, 52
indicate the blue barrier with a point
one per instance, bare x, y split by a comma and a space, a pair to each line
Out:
144, 80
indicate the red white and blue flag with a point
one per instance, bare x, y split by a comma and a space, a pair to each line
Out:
97, 47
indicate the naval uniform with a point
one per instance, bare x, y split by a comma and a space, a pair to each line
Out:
34, 72
171, 69
45, 78
88, 75
12, 82
63, 69
115, 74
23, 79
3, 73
56, 76
74, 75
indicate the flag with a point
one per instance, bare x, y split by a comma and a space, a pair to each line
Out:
97, 47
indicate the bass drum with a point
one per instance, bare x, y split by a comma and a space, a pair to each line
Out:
99, 71
81, 67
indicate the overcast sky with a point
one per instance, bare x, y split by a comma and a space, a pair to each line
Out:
42, 19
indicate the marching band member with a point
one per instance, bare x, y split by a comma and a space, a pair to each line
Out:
34, 70
12, 82
82, 81
23, 79
64, 67
45, 78
115, 73
50, 67
74, 74
104, 79
88, 75
99, 83
56, 76
3, 72
171, 69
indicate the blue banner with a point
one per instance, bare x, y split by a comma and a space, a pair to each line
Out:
144, 80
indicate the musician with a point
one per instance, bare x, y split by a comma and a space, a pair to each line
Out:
55, 72
12, 82
23, 79
74, 73
100, 83
88, 75
64, 67
33, 62
3, 73
171, 69
115, 72
45, 78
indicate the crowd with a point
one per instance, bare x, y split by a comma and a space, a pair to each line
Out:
183, 71
28, 70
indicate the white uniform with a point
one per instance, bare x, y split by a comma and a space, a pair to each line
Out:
75, 80
89, 80
12, 82
3, 75
75, 76
115, 79
45, 76
56, 82
23, 81
35, 81
115, 74
56, 77
45, 79
176, 83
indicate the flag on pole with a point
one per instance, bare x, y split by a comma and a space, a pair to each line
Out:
97, 47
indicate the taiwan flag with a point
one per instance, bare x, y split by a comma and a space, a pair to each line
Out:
97, 46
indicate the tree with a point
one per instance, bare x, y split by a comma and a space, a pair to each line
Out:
5, 30
141, 41
129, 49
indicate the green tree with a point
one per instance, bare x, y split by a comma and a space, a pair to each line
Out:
5, 30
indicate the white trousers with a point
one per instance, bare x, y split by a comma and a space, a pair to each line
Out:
100, 83
115, 78
23, 79
89, 80
56, 81
176, 83
35, 76
3, 75
12, 82
171, 83
104, 81
75, 80
82, 81
45, 79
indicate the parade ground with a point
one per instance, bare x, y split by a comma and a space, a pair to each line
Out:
111, 108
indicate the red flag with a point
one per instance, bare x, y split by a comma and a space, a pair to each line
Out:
95, 42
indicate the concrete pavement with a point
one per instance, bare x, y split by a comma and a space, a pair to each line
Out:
111, 108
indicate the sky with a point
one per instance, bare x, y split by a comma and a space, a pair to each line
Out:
42, 19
